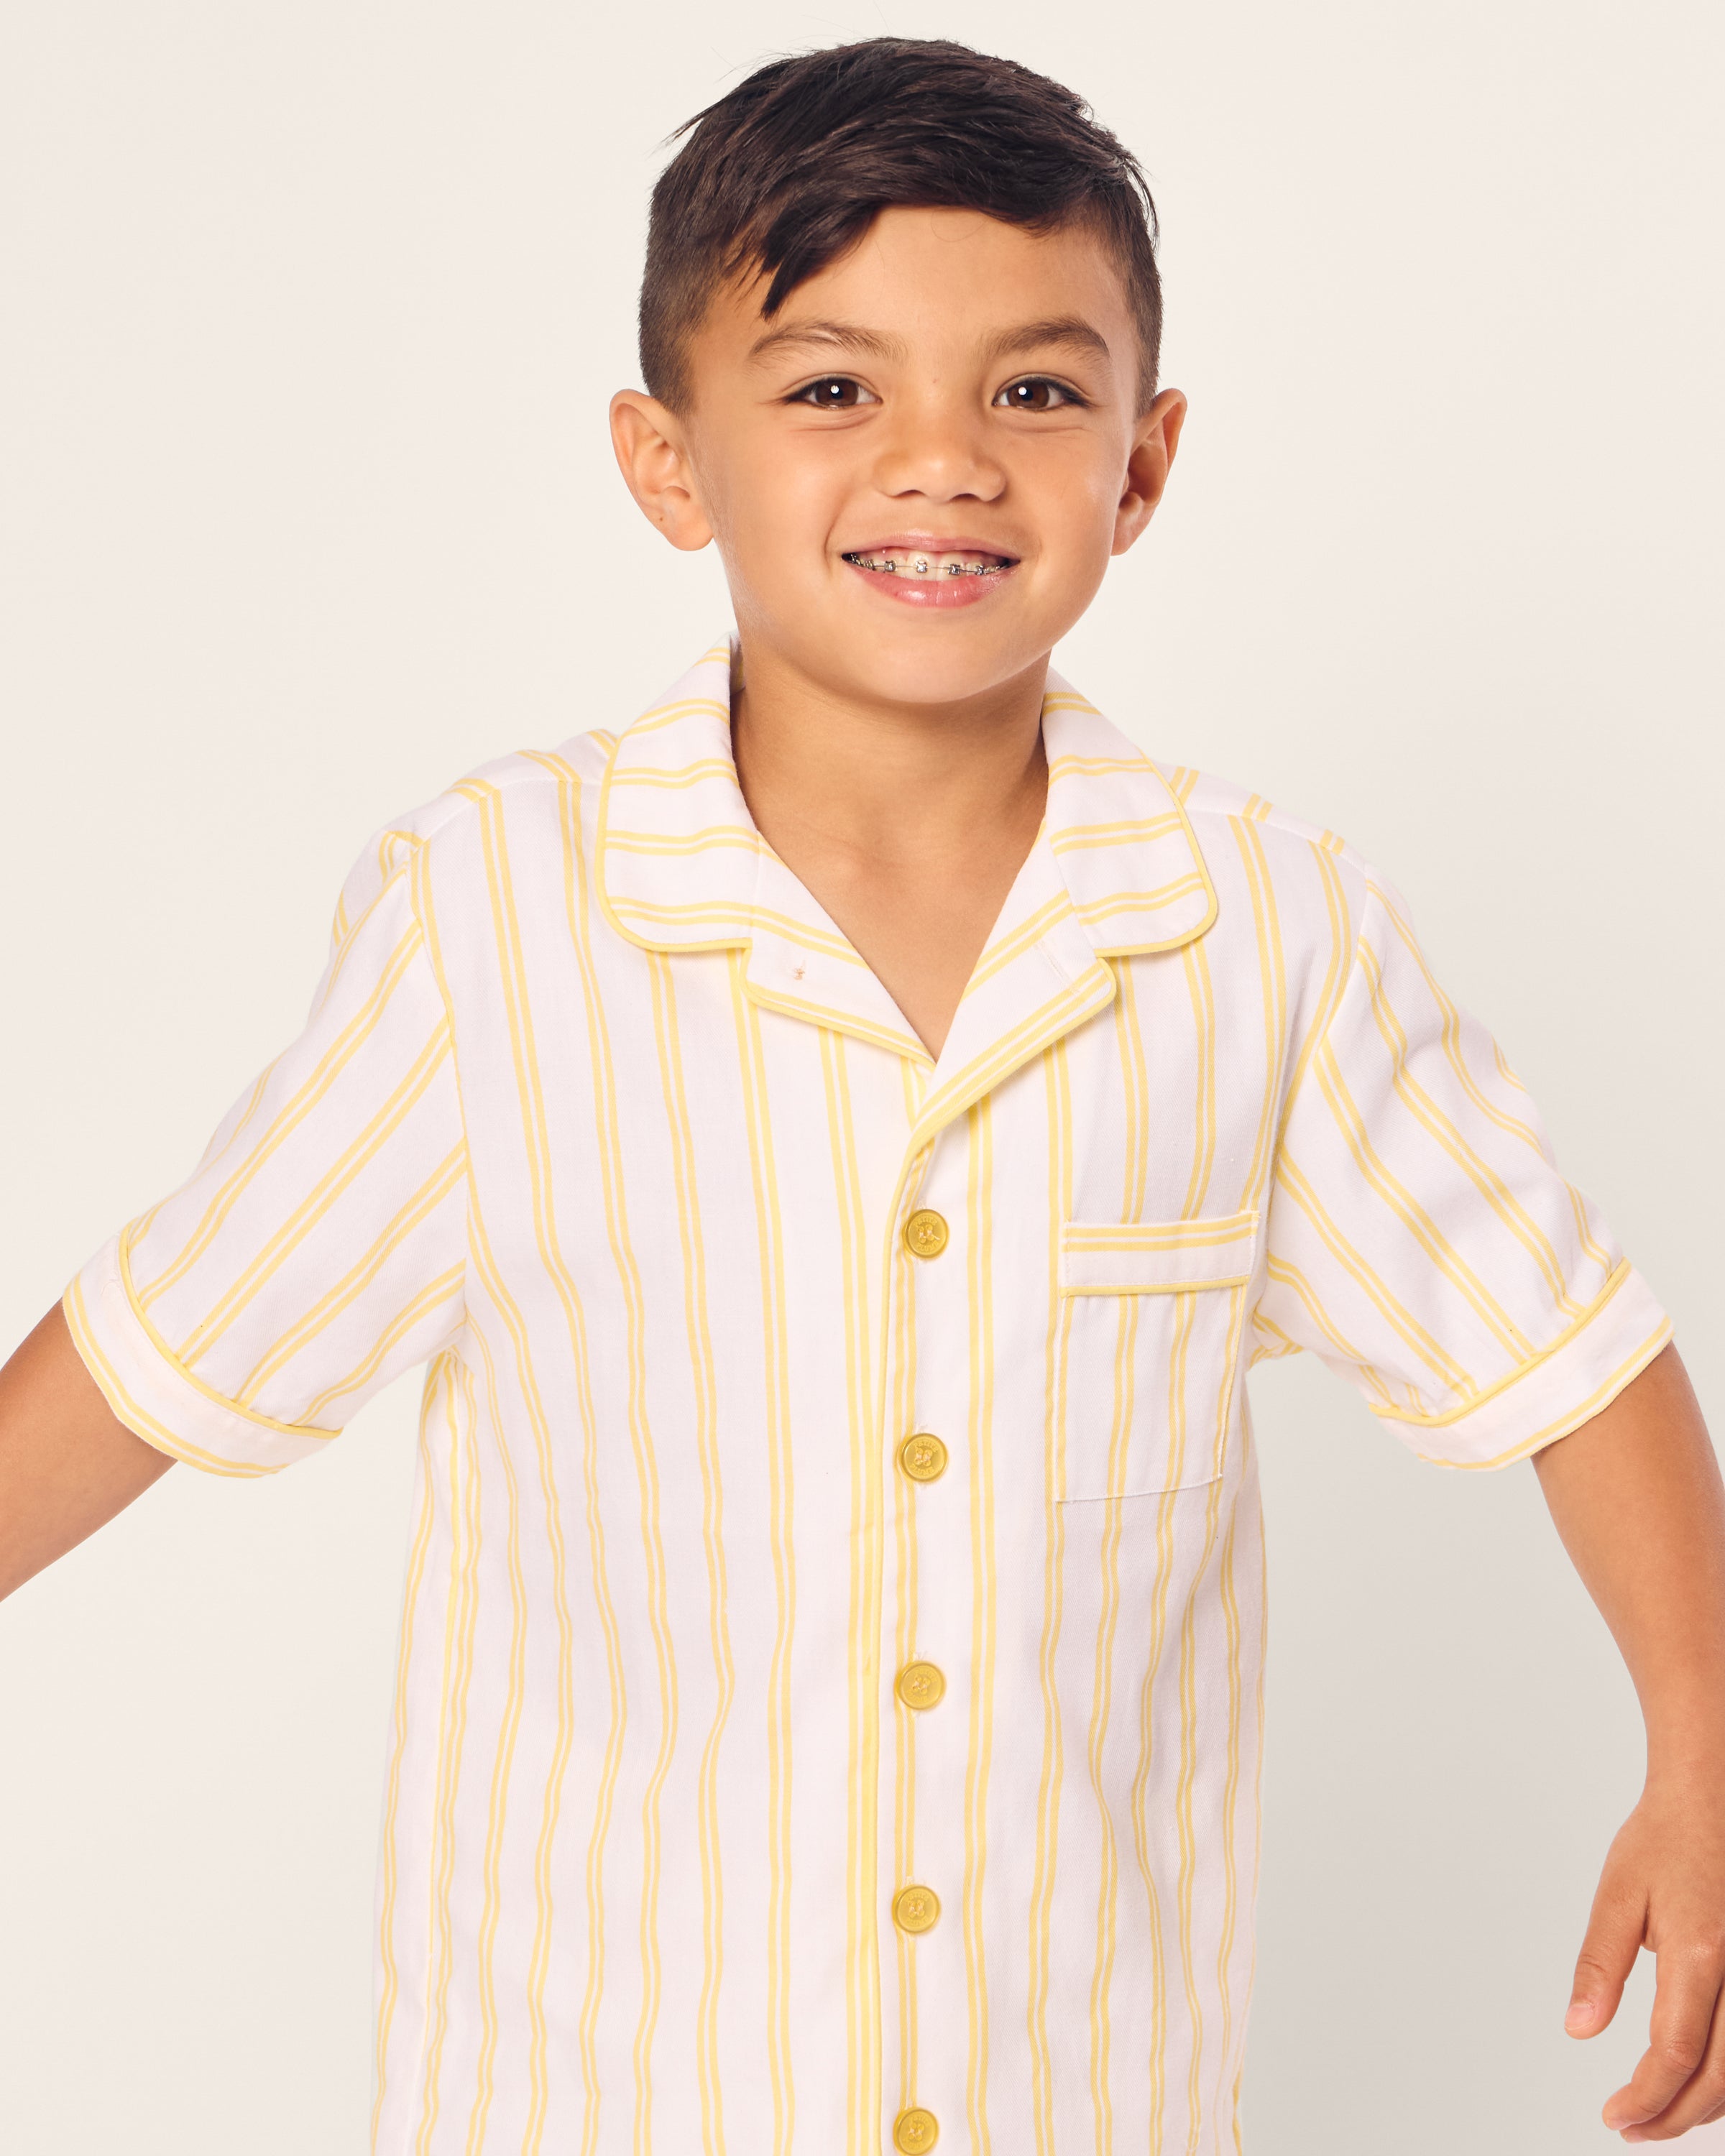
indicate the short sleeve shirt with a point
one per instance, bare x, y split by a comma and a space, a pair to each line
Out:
828, 1707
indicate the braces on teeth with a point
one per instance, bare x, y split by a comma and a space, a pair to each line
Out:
920, 566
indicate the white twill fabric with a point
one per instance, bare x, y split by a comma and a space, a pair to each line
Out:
598, 1113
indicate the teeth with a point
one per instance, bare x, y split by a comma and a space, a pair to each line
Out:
914, 562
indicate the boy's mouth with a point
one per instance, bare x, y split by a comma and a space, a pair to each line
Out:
926, 564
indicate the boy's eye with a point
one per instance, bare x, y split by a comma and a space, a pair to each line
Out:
833, 392
1037, 393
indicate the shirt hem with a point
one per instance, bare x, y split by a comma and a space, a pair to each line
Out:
1554, 1392
155, 1397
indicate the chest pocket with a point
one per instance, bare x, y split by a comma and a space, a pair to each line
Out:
1153, 1311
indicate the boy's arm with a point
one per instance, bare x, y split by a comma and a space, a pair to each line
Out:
1638, 1500
67, 1464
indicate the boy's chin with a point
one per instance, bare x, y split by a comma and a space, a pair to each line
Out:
953, 678
946, 661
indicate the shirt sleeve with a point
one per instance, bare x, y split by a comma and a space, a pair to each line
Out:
319, 1248
1421, 1240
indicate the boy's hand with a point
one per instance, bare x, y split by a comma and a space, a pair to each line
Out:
1663, 1887
1637, 1497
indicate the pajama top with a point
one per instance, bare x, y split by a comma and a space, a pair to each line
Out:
828, 1707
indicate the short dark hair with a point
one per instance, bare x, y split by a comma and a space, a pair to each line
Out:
786, 171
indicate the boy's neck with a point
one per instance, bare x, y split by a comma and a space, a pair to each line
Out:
887, 781
907, 823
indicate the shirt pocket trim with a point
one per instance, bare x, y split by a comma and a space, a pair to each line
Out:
1152, 1496
1157, 1257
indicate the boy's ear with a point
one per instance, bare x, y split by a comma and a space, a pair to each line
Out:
1155, 437
653, 459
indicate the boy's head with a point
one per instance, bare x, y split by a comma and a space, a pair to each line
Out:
901, 307
788, 172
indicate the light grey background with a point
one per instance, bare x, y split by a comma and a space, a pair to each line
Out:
309, 316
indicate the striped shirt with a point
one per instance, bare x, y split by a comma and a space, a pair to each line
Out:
829, 1710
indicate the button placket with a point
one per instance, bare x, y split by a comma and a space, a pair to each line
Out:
920, 1684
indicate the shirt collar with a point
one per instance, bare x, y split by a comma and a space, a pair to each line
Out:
1115, 871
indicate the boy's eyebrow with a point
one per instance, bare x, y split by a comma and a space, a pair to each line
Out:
847, 337
1071, 330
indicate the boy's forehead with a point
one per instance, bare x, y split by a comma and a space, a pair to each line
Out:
921, 277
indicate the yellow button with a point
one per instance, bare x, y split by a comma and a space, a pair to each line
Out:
914, 1908
925, 1234
921, 1685
923, 1457
915, 2131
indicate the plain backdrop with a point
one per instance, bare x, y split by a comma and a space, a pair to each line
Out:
306, 506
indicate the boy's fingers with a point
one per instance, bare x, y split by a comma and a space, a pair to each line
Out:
1700, 2101
1680, 2058
1614, 1931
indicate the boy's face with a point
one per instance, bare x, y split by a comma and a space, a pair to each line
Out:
917, 470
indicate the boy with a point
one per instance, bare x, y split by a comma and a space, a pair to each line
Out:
837, 1142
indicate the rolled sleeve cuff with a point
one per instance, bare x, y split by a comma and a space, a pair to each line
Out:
157, 1398
1583, 1371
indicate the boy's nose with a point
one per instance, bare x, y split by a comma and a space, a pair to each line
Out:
940, 454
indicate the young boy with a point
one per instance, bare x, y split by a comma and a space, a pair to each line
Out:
838, 1142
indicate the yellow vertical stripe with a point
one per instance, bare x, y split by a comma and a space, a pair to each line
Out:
388, 1870
863, 1672
509, 1728
1057, 1087
980, 1251
1272, 978
705, 1377
1186, 1308
461, 1614
1136, 1164
609, 1148
1188, 1673
770, 1233
1230, 1803
1202, 990
1337, 954
535, 1140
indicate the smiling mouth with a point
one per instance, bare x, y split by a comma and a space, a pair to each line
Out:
924, 563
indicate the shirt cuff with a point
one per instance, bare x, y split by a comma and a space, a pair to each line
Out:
1583, 1370
156, 1396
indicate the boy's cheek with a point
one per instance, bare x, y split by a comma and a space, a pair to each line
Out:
754, 493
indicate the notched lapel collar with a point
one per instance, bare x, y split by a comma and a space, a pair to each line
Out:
682, 867
1126, 849
1115, 871
800, 963
677, 852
